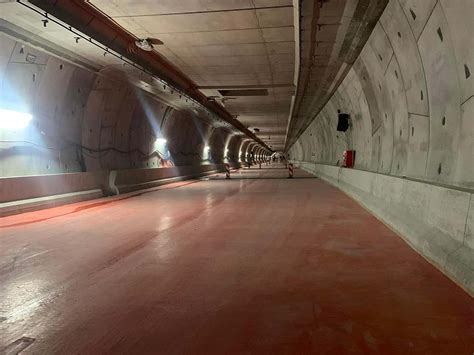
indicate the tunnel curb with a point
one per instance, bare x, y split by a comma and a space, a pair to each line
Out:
71, 188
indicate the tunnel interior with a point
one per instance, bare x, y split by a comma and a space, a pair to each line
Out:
110, 103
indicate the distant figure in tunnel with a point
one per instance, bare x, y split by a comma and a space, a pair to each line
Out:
342, 121
251, 158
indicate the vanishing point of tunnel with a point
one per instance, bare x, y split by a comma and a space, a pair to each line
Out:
236, 177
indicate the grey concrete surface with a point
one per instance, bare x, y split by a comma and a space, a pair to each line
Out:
409, 95
88, 122
410, 98
85, 125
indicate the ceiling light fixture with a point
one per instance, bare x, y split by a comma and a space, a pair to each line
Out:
145, 44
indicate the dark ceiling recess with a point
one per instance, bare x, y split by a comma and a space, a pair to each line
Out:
244, 92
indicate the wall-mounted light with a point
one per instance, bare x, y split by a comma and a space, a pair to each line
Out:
10, 119
205, 155
161, 140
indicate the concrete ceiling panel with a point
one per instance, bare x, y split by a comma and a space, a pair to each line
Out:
275, 17
279, 34
198, 22
272, 3
210, 38
220, 50
165, 7
334, 8
281, 48
282, 59
216, 43
229, 60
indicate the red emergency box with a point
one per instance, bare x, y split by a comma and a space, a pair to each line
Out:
348, 158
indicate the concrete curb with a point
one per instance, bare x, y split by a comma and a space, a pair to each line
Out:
105, 187
150, 184
39, 203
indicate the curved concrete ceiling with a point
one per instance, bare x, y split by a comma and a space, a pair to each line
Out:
332, 36
96, 42
409, 94
250, 44
225, 47
260, 70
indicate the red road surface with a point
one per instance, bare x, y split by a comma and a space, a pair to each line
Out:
246, 266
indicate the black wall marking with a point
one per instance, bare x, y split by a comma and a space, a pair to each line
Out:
413, 14
440, 34
467, 72
30, 58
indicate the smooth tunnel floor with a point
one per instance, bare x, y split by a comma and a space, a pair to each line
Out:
240, 266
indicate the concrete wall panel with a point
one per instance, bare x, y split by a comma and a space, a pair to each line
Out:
7, 45
417, 13
465, 169
395, 25
444, 97
409, 95
91, 121
406, 98
459, 15
381, 46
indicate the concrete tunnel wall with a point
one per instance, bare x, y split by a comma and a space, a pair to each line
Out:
90, 122
410, 98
